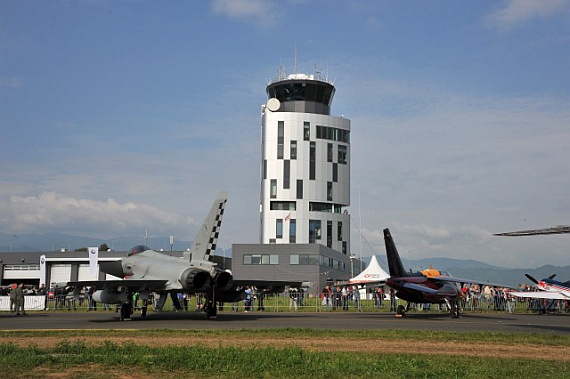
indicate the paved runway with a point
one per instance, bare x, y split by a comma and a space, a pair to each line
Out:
527, 323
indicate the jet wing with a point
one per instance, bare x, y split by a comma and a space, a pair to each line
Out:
417, 287
542, 295
110, 285
444, 278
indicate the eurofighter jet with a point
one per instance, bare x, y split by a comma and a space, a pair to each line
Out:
145, 270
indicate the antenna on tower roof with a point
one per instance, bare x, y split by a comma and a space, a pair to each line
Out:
295, 58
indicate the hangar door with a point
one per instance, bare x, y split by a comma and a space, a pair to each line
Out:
84, 273
60, 273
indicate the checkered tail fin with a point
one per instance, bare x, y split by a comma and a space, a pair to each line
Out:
204, 246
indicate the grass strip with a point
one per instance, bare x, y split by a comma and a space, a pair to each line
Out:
255, 362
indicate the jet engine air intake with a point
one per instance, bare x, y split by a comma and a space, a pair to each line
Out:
194, 279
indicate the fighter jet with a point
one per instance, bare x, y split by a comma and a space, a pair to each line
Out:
145, 270
429, 286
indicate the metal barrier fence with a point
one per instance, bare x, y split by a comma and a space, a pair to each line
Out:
308, 302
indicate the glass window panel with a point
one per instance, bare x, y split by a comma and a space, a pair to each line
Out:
279, 228
307, 131
293, 152
274, 259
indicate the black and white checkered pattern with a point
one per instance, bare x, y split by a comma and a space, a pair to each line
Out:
211, 248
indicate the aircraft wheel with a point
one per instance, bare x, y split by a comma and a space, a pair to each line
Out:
400, 310
211, 310
143, 311
454, 310
125, 312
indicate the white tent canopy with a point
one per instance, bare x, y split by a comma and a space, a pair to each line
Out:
372, 273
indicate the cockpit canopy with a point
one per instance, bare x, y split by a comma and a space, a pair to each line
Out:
138, 249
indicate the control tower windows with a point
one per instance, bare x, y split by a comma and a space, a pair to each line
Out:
286, 173
335, 172
312, 161
279, 228
342, 154
292, 231
280, 139
299, 188
314, 230
293, 153
273, 193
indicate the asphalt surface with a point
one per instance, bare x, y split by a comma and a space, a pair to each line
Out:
491, 322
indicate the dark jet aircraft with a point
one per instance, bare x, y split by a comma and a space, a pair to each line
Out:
145, 270
429, 286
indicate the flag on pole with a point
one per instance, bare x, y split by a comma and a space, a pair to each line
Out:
93, 258
288, 217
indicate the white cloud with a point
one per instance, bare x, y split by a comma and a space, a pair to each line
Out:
260, 11
68, 214
515, 13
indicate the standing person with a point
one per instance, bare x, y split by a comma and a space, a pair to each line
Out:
292, 298
327, 298
344, 299
92, 303
261, 301
20, 300
392, 300
42, 291
13, 304
247, 299
356, 298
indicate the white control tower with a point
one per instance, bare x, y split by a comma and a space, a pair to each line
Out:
305, 178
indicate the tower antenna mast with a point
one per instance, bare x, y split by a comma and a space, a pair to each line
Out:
295, 58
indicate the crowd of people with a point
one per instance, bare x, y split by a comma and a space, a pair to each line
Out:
474, 298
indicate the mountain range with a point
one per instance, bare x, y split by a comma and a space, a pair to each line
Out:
56, 241
470, 269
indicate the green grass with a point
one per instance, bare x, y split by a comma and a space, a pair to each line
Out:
110, 360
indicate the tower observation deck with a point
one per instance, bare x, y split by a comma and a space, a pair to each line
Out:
305, 186
302, 93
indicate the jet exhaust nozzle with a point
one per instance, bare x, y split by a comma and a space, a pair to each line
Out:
194, 279
224, 281
109, 297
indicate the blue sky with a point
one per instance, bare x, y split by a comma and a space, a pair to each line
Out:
120, 116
